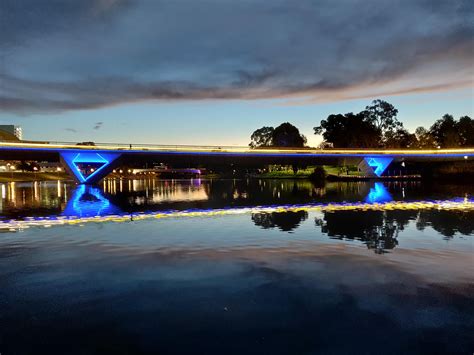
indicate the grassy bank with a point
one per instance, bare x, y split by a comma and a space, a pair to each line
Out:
305, 173
30, 176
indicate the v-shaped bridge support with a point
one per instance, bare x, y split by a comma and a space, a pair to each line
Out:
375, 166
89, 167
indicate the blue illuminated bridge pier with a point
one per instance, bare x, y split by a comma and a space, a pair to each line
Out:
88, 164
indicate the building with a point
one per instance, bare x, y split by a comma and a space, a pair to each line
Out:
13, 130
50, 167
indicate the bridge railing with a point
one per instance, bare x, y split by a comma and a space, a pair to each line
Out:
223, 148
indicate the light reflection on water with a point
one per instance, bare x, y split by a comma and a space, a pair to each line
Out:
54, 198
264, 266
375, 220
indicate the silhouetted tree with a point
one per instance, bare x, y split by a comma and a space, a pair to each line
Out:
262, 137
287, 135
384, 116
400, 138
349, 131
423, 138
24, 166
378, 126
318, 176
445, 133
466, 131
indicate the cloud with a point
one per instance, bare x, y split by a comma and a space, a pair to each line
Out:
71, 130
98, 125
88, 54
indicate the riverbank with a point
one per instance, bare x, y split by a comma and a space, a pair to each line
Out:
369, 178
31, 176
452, 172
304, 173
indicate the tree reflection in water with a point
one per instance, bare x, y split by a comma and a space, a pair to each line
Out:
379, 229
448, 223
285, 221
371, 227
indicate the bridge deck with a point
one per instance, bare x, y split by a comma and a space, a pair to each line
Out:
232, 150
91, 163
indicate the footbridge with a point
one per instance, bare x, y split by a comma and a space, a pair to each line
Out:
88, 164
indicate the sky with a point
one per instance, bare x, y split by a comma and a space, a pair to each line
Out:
213, 71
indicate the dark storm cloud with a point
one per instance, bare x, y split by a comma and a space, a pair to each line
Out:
68, 55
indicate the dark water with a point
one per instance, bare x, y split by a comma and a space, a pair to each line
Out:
262, 277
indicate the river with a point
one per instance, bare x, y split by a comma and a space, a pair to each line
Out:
236, 267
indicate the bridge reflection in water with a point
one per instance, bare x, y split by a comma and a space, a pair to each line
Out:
89, 201
369, 213
378, 193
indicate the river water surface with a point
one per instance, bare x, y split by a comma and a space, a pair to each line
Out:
236, 267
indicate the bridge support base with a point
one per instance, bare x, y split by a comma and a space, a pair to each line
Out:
374, 166
89, 167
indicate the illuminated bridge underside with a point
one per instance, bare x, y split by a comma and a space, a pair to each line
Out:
90, 164
89, 167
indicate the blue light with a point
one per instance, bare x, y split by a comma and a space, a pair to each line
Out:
74, 158
378, 193
89, 201
378, 164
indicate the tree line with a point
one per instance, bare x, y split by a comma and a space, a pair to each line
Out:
375, 127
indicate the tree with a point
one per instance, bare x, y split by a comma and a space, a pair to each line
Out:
400, 138
465, 127
445, 132
349, 131
424, 138
378, 126
262, 137
383, 115
24, 166
287, 135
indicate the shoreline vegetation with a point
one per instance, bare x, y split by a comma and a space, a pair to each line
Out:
457, 171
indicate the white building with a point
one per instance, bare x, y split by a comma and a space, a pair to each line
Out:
12, 129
